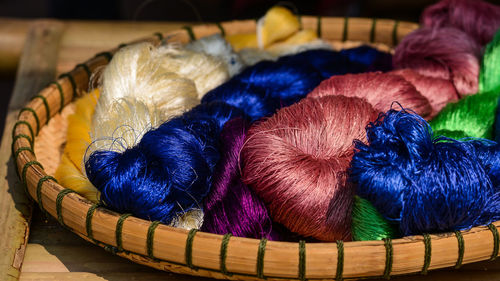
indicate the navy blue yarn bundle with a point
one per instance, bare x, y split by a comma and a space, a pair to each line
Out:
368, 58
170, 170
428, 184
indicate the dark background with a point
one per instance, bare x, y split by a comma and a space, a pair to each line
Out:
194, 11
205, 10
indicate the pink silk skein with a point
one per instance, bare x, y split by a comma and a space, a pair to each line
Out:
297, 162
439, 92
377, 88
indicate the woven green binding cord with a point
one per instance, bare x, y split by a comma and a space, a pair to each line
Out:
37, 121
302, 260
26, 166
39, 190
159, 35
340, 261
59, 199
346, 27
318, 27
86, 68
496, 241
188, 255
260, 258
46, 104
118, 231
106, 55
461, 248
61, 93
428, 252
21, 136
221, 28
395, 40
190, 32
21, 149
22, 122
88, 220
223, 253
388, 258
373, 29
150, 237
71, 80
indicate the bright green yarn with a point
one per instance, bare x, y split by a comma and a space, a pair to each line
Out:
489, 75
368, 223
474, 116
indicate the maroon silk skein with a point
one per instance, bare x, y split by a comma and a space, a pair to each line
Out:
297, 162
377, 88
479, 19
447, 53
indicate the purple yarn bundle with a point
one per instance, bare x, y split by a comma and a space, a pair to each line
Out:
479, 19
231, 206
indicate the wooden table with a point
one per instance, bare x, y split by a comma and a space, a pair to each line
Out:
44, 49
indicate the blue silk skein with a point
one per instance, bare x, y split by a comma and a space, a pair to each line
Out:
426, 183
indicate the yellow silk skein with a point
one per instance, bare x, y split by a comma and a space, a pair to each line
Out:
70, 172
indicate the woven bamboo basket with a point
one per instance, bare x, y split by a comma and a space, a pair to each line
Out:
225, 257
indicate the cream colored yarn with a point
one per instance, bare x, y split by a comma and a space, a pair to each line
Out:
144, 85
188, 220
206, 71
215, 45
123, 125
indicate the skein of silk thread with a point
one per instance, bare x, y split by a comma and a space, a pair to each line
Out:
489, 75
379, 89
479, 19
69, 173
231, 206
297, 164
439, 92
368, 224
445, 53
215, 45
428, 184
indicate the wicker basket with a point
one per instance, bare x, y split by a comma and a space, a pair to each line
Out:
205, 254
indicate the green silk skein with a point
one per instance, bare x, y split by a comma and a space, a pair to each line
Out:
368, 223
489, 75
472, 116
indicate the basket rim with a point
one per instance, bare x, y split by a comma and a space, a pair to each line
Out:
222, 256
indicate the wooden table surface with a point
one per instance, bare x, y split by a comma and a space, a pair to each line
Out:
53, 252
